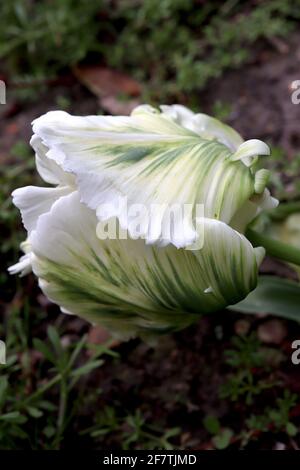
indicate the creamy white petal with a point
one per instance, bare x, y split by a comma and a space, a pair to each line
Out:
23, 266
180, 114
131, 287
206, 126
48, 169
211, 128
34, 201
148, 158
264, 201
254, 206
249, 150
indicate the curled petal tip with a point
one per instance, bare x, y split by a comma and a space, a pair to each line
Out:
23, 267
249, 150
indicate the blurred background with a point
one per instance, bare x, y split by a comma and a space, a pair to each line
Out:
226, 382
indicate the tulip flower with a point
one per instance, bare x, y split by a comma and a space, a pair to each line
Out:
159, 278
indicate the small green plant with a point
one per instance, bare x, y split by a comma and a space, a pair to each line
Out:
106, 423
66, 374
246, 360
36, 409
245, 353
146, 436
222, 440
273, 419
281, 416
132, 430
221, 437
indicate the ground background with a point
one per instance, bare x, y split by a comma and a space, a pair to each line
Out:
227, 381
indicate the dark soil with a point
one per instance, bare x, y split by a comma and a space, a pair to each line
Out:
260, 97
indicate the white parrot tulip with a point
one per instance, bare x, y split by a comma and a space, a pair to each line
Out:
147, 283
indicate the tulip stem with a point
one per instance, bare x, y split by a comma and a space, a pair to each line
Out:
284, 209
275, 248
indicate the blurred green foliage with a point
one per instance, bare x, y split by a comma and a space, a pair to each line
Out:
284, 174
185, 43
177, 45
41, 37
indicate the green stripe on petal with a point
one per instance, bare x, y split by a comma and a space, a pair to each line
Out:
149, 158
204, 125
135, 288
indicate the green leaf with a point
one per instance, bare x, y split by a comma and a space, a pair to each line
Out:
3, 387
49, 431
43, 348
78, 348
13, 416
291, 429
100, 432
55, 339
172, 433
223, 439
273, 295
86, 368
211, 424
34, 412
47, 405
